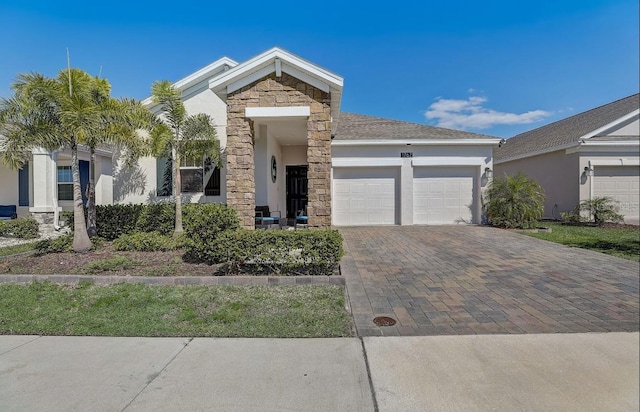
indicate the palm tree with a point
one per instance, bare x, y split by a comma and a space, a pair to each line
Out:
120, 123
514, 202
181, 137
55, 113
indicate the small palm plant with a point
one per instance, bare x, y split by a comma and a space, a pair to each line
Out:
603, 209
514, 202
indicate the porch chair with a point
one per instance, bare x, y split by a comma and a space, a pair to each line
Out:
265, 218
302, 220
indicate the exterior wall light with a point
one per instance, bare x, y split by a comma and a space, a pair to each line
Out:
488, 172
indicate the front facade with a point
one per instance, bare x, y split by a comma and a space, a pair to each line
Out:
591, 154
287, 145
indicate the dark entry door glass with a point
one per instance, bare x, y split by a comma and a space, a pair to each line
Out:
296, 190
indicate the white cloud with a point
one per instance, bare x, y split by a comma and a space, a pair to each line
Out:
471, 114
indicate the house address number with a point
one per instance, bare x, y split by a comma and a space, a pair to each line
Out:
406, 154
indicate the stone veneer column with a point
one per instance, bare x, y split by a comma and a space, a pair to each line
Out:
284, 91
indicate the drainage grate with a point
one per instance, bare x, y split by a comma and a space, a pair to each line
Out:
384, 321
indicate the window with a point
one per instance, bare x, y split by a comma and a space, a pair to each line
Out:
196, 176
65, 183
191, 175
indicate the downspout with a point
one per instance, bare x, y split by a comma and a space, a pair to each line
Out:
54, 180
591, 173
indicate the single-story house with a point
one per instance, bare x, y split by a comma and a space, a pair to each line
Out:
588, 155
286, 144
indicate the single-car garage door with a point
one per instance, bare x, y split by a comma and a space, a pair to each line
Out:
443, 195
622, 183
364, 196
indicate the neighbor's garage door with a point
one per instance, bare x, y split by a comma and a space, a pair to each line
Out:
621, 183
364, 196
443, 195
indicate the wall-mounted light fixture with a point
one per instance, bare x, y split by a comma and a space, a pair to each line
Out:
488, 172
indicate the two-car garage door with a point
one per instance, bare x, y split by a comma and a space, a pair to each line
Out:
622, 183
372, 195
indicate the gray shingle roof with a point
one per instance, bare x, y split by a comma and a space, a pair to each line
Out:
353, 126
565, 131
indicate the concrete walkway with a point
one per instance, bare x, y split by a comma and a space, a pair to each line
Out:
581, 372
466, 280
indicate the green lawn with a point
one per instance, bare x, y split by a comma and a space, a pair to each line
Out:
21, 248
142, 310
621, 242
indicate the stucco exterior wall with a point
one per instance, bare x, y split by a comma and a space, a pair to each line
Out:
8, 185
140, 183
558, 173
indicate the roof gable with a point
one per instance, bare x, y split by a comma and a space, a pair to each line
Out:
208, 72
569, 132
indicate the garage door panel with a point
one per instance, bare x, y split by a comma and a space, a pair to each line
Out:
622, 183
367, 196
443, 195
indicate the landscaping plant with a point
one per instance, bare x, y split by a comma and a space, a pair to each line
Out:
514, 202
601, 210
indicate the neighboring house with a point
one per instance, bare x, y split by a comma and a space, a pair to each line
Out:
288, 146
591, 154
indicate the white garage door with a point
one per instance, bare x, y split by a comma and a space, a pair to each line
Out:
364, 196
621, 183
443, 195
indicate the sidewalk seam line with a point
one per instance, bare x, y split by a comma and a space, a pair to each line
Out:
366, 364
157, 374
19, 346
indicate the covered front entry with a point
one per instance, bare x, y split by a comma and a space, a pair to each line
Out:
365, 196
621, 183
443, 195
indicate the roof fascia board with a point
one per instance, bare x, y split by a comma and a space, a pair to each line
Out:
610, 125
417, 142
268, 59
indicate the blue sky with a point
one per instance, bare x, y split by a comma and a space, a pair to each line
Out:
494, 67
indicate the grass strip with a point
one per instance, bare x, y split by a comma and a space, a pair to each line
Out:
44, 308
620, 242
15, 249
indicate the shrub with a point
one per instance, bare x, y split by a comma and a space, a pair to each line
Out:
112, 264
158, 217
146, 242
62, 244
603, 209
111, 220
514, 202
26, 228
312, 252
571, 218
58, 245
206, 220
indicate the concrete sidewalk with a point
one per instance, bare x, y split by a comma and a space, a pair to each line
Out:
586, 372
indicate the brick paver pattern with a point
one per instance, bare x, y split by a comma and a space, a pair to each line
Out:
460, 280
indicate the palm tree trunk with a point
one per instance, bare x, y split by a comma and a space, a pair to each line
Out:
177, 192
81, 241
92, 231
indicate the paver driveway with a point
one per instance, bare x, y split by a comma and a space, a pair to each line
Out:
437, 280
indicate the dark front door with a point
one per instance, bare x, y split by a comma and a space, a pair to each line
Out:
296, 190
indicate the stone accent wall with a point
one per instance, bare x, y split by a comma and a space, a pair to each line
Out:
284, 91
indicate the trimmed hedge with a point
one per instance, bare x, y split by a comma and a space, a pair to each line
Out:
24, 228
201, 219
146, 242
304, 252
